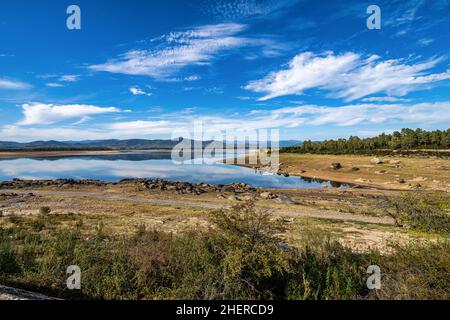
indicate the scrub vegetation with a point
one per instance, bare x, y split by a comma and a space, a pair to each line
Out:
243, 254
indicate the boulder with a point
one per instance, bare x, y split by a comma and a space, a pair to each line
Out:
376, 161
284, 199
336, 166
283, 173
267, 195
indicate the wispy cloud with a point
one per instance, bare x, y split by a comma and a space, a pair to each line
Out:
13, 85
348, 76
45, 114
414, 16
242, 9
165, 56
58, 81
385, 99
139, 92
350, 116
425, 42
198, 46
406, 13
69, 78
424, 113
54, 85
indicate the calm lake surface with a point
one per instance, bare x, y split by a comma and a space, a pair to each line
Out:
151, 164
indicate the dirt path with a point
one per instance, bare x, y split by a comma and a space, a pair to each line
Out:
306, 213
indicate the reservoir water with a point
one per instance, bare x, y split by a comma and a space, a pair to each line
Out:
148, 164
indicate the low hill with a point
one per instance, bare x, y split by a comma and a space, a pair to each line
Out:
90, 144
111, 144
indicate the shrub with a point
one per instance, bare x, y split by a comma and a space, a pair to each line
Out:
420, 211
14, 219
415, 271
38, 224
100, 230
325, 270
140, 229
252, 253
79, 224
44, 210
8, 259
244, 223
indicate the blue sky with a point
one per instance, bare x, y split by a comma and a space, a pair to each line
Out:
145, 69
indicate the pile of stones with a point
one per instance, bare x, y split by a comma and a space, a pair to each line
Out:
190, 188
19, 184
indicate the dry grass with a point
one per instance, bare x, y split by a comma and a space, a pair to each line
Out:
431, 173
119, 217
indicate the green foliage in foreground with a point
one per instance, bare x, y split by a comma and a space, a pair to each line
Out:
243, 256
406, 139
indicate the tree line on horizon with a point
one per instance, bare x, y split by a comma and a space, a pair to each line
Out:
406, 139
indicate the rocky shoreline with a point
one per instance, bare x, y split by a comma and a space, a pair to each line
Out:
231, 191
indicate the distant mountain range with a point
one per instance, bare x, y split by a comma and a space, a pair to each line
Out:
290, 143
106, 144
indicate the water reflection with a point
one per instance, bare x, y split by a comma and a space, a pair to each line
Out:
114, 167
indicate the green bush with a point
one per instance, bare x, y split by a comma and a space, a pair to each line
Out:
416, 271
420, 211
44, 210
253, 256
38, 224
8, 255
325, 270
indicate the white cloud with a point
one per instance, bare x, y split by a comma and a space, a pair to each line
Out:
20, 134
242, 9
13, 85
347, 76
139, 92
54, 85
424, 113
143, 127
192, 78
425, 42
362, 116
82, 120
198, 46
44, 114
117, 130
385, 99
244, 98
69, 78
